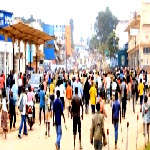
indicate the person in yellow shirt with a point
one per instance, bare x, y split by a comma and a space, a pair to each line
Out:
51, 88
141, 91
93, 95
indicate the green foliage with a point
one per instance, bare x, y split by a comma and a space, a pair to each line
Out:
105, 23
102, 48
94, 43
112, 43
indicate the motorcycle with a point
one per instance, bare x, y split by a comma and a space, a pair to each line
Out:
30, 116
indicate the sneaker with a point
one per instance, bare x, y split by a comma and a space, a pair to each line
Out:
19, 136
25, 133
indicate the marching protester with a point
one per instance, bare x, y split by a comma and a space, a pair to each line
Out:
12, 111
47, 112
52, 88
75, 113
62, 93
93, 96
22, 108
4, 113
141, 92
116, 112
57, 113
86, 95
124, 97
69, 96
42, 103
146, 117
97, 130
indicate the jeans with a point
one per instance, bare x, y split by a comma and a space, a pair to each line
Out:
134, 99
23, 121
116, 130
40, 113
97, 145
108, 94
12, 116
59, 134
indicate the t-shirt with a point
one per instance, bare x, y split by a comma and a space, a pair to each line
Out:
76, 103
1, 82
69, 92
93, 94
4, 104
62, 90
141, 89
51, 89
19, 82
108, 82
57, 109
30, 97
45, 85
24, 96
15, 91
42, 98
116, 109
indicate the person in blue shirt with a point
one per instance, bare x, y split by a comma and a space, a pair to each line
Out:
115, 116
42, 102
57, 112
49, 80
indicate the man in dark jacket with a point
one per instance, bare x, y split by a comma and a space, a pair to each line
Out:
115, 116
86, 95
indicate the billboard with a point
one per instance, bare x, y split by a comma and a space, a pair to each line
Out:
6, 19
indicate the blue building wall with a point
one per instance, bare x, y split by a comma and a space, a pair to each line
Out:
123, 57
6, 19
49, 52
28, 50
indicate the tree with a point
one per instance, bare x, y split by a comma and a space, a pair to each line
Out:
105, 23
72, 30
102, 48
94, 43
112, 43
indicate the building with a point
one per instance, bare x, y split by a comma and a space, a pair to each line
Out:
139, 37
123, 36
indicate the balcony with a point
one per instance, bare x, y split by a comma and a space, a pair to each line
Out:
132, 43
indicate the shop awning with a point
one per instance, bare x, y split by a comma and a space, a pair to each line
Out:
26, 33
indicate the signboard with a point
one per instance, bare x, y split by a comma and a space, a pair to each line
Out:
6, 18
134, 32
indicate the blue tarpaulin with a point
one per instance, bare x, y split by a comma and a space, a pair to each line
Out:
49, 52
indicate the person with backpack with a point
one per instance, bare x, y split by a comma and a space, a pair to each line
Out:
57, 113
116, 111
22, 108
97, 130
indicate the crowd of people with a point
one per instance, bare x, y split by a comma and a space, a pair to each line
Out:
60, 91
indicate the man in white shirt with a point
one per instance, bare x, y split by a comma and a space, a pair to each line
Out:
62, 92
108, 82
23, 100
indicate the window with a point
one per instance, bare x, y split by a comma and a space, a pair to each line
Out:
1, 15
146, 50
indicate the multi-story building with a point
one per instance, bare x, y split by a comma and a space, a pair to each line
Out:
139, 37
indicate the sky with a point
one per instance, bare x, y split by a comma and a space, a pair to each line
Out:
83, 12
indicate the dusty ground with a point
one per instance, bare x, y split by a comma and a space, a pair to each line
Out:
38, 141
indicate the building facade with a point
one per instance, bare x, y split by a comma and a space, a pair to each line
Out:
139, 38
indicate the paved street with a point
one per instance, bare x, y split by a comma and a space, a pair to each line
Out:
37, 139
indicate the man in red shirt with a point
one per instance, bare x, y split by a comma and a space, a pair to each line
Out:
3, 75
2, 81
